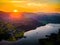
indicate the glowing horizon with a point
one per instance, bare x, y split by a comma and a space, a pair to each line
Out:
30, 5
15, 16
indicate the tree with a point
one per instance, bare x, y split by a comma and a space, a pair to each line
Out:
9, 32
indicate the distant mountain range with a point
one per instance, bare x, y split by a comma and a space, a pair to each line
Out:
31, 21
45, 17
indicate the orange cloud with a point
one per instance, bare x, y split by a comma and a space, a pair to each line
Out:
25, 6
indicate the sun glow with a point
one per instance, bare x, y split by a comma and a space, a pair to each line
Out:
30, 6
15, 10
15, 16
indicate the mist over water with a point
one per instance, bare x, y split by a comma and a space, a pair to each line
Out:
32, 36
35, 25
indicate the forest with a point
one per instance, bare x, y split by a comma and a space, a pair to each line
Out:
9, 32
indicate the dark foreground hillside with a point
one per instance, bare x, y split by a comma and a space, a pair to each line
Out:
9, 32
53, 39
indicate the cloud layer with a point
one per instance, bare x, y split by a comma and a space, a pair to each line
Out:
33, 35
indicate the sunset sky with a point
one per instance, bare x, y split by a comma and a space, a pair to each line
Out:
30, 5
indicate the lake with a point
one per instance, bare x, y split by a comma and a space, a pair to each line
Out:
32, 36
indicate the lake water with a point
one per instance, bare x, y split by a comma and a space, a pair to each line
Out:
32, 36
